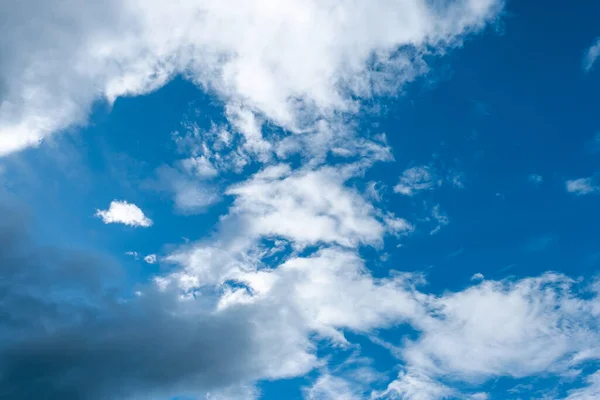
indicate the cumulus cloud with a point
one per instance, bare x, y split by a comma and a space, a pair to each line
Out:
150, 259
591, 55
291, 63
122, 212
581, 186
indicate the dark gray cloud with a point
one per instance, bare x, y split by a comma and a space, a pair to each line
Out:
68, 332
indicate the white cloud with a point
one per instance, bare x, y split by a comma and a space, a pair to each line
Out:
308, 207
414, 385
494, 328
591, 55
122, 212
536, 179
150, 259
415, 179
478, 277
589, 392
188, 185
457, 179
440, 217
536, 325
582, 186
291, 63
134, 254
330, 387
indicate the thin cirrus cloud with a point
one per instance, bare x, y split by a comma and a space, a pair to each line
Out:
416, 179
122, 212
535, 179
591, 55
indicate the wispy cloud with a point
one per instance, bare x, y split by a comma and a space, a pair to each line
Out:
535, 179
591, 55
440, 218
416, 179
582, 186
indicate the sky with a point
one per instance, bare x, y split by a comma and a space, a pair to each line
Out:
310, 199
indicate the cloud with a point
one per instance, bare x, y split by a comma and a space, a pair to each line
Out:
292, 64
189, 184
242, 308
477, 277
351, 380
589, 392
591, 56
328, 387
581, 186
122, 212
279, 202
541, 325
440, 218
535, 179
414, 385
414, 180
150, 259
500, 328
71, 330
134, 254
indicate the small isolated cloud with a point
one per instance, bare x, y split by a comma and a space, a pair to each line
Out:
536, 179
414, 180
150, 258
457, 179
134, 254
591, 56
581, 186
122, 212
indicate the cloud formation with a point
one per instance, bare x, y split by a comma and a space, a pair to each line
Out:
582, 186
591, 55
68, 332
122, 212
283, 273
415, 179
293, 64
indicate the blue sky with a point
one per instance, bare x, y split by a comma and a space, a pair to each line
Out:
312, 200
